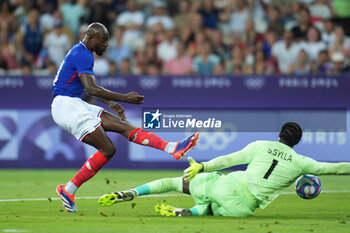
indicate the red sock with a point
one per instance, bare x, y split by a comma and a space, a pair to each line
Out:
90, 168
146, 138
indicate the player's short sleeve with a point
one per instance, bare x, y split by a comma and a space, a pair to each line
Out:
84, 63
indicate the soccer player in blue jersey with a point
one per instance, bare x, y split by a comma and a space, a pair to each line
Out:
89, 123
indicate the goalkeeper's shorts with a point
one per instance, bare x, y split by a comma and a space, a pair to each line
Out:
226, 194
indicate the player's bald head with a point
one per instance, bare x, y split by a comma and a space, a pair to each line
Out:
291, 133
96, 38
96, 29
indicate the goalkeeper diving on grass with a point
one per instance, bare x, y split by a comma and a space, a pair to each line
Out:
272, 167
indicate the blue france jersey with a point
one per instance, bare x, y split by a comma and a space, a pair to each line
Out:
78, 61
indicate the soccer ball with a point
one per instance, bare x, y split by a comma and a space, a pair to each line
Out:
308, 186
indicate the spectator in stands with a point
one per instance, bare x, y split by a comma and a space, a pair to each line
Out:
285, 52
258, 9
210, 15
261, 65
159, 16
341, 43
328, 35
250, 37
102, 12
112, 68
117, 50
313, 45
8, 58
235, 63
270, 39
47, 19
167, 49
322, 64
182, 20
300, 30
149, 40
72, 12
321, 9
181, 64
239, 16
21, 11
205, 62
194, 46
219, 47
274, 21
302, 65
219, 69
287, 7
152, 69
131, 21
143, 58
101, 65
125, 67
57, 44
139, 65
51, 68
151, 56
189, 34
7, 16
30, 38
339, 64
26, 69
233, 20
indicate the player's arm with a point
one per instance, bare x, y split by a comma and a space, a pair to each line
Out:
93, 89
225, 161
240, 157
114, 106
321, 168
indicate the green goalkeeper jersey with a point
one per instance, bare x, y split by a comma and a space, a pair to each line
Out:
272, 166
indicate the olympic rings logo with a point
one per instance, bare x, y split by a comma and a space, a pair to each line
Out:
149, 83
217, 140
254, 83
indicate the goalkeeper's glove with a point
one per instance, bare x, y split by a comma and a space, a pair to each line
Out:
192, 170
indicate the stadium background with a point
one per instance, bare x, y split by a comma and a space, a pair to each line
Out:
158, 48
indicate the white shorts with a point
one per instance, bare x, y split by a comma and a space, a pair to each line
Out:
75, 115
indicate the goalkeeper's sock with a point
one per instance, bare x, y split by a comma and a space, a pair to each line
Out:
88, 170
160, 186
146, 138
200, 210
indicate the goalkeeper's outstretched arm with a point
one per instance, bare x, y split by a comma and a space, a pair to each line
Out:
336, 168
221, 162
322, 168
240, 157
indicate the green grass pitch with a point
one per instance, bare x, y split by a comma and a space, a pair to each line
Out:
329, 212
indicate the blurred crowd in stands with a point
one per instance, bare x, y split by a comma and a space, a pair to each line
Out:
180, 37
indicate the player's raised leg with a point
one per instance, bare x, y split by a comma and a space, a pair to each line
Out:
106, 150
178, 150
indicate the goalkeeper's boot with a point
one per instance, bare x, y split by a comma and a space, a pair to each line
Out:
168, 211
66, 198
185, 146
120, 196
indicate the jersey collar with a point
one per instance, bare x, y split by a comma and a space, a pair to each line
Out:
80, 42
